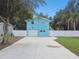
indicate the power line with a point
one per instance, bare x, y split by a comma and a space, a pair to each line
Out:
49, 11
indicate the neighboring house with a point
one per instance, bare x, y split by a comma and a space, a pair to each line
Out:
39, 24
10, 28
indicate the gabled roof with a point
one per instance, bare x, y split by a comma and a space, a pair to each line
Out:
39, 18
42, 18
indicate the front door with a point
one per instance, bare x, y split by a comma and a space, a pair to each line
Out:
43, 33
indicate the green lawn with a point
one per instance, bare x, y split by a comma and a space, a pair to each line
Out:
72, 43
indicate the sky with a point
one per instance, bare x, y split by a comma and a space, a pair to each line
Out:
52, 7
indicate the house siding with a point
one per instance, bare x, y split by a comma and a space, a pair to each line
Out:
41, 25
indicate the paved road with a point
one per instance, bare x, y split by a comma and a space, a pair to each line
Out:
36, 48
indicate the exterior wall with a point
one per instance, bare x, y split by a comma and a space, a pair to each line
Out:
41, 25
38, 24
31, 26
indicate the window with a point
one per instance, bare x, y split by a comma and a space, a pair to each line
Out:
32, 22
40, 30
43, 30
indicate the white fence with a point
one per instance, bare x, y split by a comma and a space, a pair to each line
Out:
64, 33
25, 33
51, 33
19, 32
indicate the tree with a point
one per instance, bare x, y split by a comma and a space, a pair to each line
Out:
60, 20
72, 6
20, 8
69, 15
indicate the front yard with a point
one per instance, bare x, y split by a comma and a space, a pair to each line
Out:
72, 43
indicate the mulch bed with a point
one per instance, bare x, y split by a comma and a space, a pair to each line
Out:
10, 41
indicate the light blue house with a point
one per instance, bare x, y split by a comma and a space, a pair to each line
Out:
40, 24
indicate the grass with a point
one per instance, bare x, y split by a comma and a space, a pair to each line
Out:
72, 43
10, 41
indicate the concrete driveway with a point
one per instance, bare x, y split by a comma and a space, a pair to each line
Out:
37, 48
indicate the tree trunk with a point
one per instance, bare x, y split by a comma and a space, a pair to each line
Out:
5, 29
74, 26
68, 25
